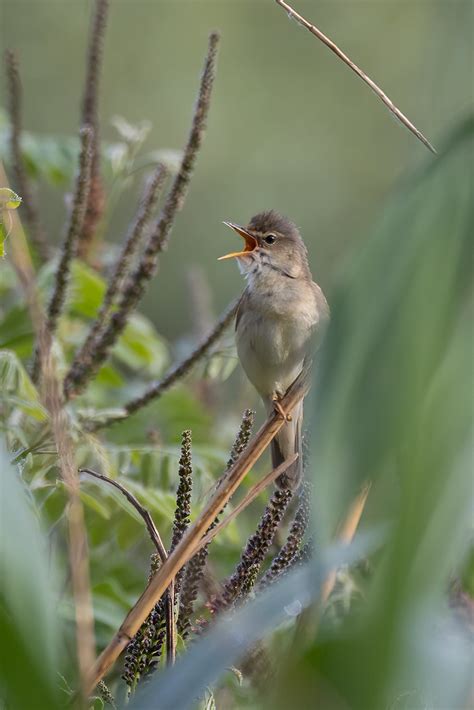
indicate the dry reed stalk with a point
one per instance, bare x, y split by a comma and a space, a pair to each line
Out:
376, 89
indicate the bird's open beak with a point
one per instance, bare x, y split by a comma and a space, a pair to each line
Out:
250, 241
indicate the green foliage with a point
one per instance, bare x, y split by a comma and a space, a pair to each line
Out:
392, 406
9, 200
30, 631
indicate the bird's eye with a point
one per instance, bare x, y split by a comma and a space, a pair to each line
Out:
270, 239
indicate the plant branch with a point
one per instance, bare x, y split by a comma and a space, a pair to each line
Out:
190, 541
69, 246
30, 208
90, 116
376, 89
141, 510
135, 286
160, 548
176, 373
83, 358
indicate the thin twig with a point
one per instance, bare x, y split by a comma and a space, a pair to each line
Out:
83, 358
141, 510
69, 246
188, 545
30, 208
376, 89
90, 116
158, 240
161, 549
176, 373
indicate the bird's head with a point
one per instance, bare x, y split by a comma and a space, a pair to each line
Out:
273, 243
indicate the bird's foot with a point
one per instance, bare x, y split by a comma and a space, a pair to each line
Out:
279, 409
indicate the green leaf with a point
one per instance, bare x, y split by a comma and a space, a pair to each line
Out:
9, 200
87, 290
29, 630
139, 347
16, 332
95, 505
16, 387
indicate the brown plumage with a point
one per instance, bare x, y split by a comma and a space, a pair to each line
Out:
280, 320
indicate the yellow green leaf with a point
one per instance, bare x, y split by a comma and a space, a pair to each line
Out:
9, 200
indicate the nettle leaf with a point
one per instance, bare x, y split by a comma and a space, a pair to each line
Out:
140, 347
16, 331
52, 158
16, 387
87, 290
95, 504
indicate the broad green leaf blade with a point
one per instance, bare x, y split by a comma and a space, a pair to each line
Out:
393, 406
29, 631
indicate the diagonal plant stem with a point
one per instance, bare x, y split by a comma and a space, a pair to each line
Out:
70, 243
176, 373
30, 208
190, 541
375, 88
83, 358
136, 284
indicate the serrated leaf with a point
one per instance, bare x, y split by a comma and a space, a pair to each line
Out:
17, 388
140, 347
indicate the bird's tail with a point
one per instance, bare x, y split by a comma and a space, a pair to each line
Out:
286, 443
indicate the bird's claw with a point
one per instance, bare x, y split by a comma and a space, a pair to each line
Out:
279, 409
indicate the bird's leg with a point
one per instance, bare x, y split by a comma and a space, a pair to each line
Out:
276, 398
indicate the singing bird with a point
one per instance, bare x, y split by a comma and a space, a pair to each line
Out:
280, 320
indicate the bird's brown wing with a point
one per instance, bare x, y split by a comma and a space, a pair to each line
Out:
241, 307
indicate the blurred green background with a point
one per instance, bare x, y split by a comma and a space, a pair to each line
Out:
290, 126
389, 231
